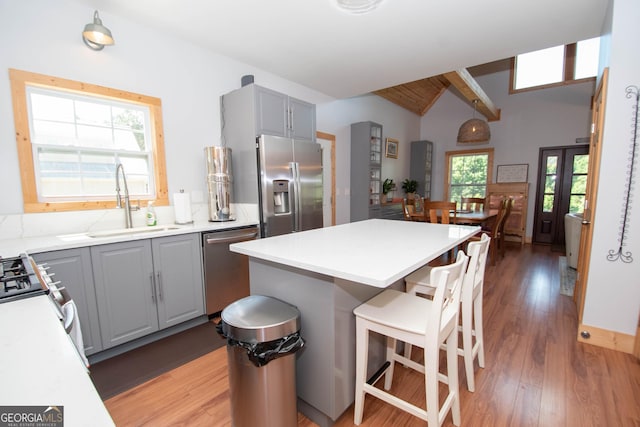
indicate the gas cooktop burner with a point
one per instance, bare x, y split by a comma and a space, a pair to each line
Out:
18, 279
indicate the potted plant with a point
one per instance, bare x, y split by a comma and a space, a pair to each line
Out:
387, 186
410, 186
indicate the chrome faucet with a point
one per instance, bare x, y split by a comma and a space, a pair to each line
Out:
127, 205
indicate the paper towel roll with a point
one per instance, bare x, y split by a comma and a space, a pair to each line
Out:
182, 208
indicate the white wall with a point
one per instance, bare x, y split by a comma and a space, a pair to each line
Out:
529, 121
336, 118
612, 301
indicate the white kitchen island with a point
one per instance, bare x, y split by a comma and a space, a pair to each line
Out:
328, 272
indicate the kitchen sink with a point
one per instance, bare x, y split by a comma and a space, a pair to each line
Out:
131, 231
121, 232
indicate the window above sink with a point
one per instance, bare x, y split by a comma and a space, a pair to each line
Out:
71, 135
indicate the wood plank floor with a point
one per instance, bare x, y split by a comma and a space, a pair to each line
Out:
536, 373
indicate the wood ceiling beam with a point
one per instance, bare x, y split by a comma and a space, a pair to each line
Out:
471, 90
417, 96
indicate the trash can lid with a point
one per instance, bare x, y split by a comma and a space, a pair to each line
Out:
259, 318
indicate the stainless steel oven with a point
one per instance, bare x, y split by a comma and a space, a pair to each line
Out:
226, 273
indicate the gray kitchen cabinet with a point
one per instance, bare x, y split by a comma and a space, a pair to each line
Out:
125, 291
366, 170
143, 286
253, 110
421, 166
72, 267
177, 264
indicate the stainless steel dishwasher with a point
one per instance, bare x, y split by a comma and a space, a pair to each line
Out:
226, 274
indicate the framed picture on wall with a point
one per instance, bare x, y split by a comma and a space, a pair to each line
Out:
392, 148
512, 173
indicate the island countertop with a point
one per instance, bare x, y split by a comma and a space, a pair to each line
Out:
374, 252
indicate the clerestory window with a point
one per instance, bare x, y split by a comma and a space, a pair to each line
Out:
559, 65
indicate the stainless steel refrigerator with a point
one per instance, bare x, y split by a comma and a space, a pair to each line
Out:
286, 184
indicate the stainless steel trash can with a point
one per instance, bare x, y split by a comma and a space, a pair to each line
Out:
263, 334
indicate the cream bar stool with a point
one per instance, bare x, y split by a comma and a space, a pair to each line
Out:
421, 322
419, 282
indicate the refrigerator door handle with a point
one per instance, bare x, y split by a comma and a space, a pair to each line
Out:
295, 171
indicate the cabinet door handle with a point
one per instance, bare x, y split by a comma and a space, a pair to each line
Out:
160, 285
153, 288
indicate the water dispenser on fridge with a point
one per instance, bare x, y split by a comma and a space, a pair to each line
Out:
281, 196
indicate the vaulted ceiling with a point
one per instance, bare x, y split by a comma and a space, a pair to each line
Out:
420, 95
314, 44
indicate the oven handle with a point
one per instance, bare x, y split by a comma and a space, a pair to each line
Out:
69, 316
70, 313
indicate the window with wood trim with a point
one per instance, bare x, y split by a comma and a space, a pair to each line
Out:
72, 135
555, 66
467, 173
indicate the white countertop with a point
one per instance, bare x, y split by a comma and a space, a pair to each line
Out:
39, 364
375, 252
45, 243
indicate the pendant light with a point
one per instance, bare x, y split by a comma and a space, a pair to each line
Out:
474, 130
95, 35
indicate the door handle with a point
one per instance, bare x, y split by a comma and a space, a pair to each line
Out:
160, 286
295, 169
153, 288
239, 236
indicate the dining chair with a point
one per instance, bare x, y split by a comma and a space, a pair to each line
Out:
439, 211
419, 282
474, 204
496, 232
421, 322
502, 225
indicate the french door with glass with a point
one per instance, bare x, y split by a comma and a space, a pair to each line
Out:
562, 181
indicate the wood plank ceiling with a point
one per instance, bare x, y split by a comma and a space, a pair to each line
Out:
420, 95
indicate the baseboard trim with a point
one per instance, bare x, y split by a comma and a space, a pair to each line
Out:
139, 342
607, 339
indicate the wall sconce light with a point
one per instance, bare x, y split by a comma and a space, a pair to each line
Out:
474, 130
95, 35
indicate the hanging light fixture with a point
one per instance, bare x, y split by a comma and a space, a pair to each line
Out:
474, 130
95, 35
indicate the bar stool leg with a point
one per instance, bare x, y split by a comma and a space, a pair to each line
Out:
477, 315
452, 376
388, 375
362, 350
467, 343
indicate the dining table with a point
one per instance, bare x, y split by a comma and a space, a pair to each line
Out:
464, 216
326, 273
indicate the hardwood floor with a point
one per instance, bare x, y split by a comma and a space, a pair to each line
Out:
536, 373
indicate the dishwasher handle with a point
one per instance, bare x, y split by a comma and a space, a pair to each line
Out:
211, 239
